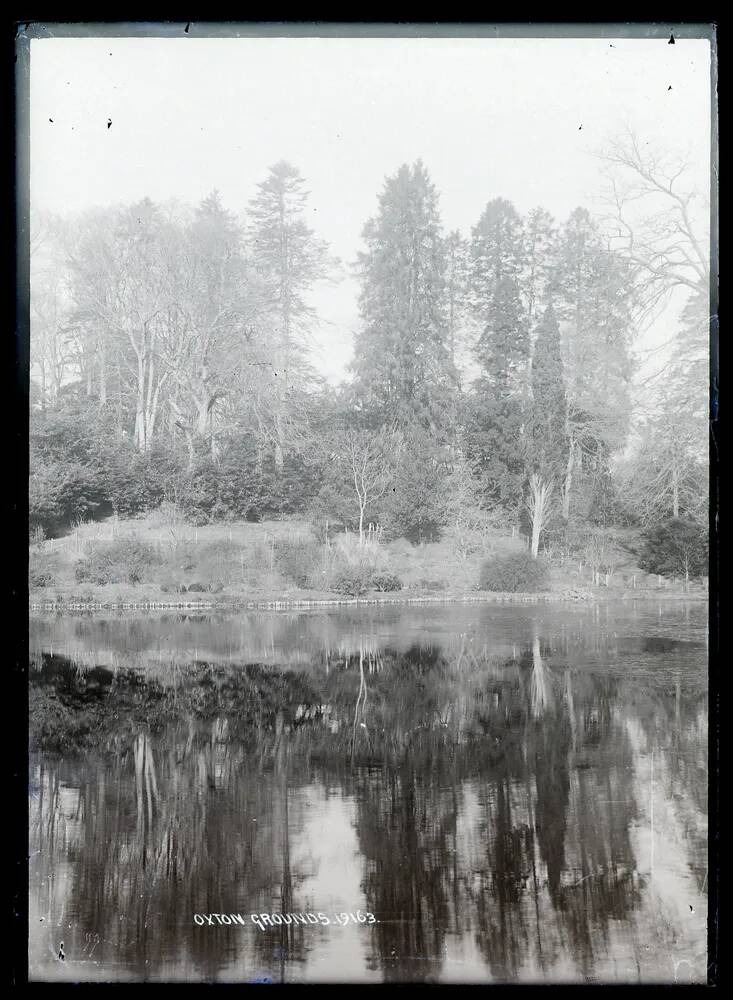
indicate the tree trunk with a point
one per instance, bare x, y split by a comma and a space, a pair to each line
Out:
205, 423
538, 505
536, 529
191, 449
140, 406
567, 485
675, 492
102, 373
279, 433
140, 426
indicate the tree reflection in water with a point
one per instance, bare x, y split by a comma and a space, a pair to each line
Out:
492, 797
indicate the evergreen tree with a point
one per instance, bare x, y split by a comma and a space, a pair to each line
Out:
496, 423
547, 443
416, 506
402, 366
456, 250
497, 260
492, 442
291, 259
675, 547
539, 252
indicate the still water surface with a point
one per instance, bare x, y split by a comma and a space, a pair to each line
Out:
510, 794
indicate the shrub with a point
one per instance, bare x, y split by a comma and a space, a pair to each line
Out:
297, 558
132, 482
216, 562
415, 510
80, 465
127, 560
354, 581
514, 573
242, 485
433, 585
183, 556
384, 582
40, 572
675, 548
219, 560
57, 493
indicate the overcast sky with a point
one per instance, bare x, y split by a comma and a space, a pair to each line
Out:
517, 118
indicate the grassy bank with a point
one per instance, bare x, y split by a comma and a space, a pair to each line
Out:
161, 562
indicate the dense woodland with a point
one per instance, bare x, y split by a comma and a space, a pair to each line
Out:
491, 382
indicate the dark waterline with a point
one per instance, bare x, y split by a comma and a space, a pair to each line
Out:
516, 794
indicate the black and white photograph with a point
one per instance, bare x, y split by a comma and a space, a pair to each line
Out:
369, 506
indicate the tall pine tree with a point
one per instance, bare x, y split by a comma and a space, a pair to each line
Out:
496, 415
497, 261
539, 253
456, 250
291, 259
404, 375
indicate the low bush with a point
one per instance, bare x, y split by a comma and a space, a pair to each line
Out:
514, 573
127, 560
41, 570
433, 585
354, 581
58, 493
385, 582
215, 560
297, 559
675, 548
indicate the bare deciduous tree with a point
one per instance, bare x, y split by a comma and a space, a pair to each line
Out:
368, 461
538, 507
53, 350
124, 284
657, 219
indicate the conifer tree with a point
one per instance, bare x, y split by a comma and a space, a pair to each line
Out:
548, 423
540, 239
291, 259
456, 250
402, 365
497, 259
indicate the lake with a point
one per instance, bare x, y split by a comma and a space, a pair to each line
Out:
454, 793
